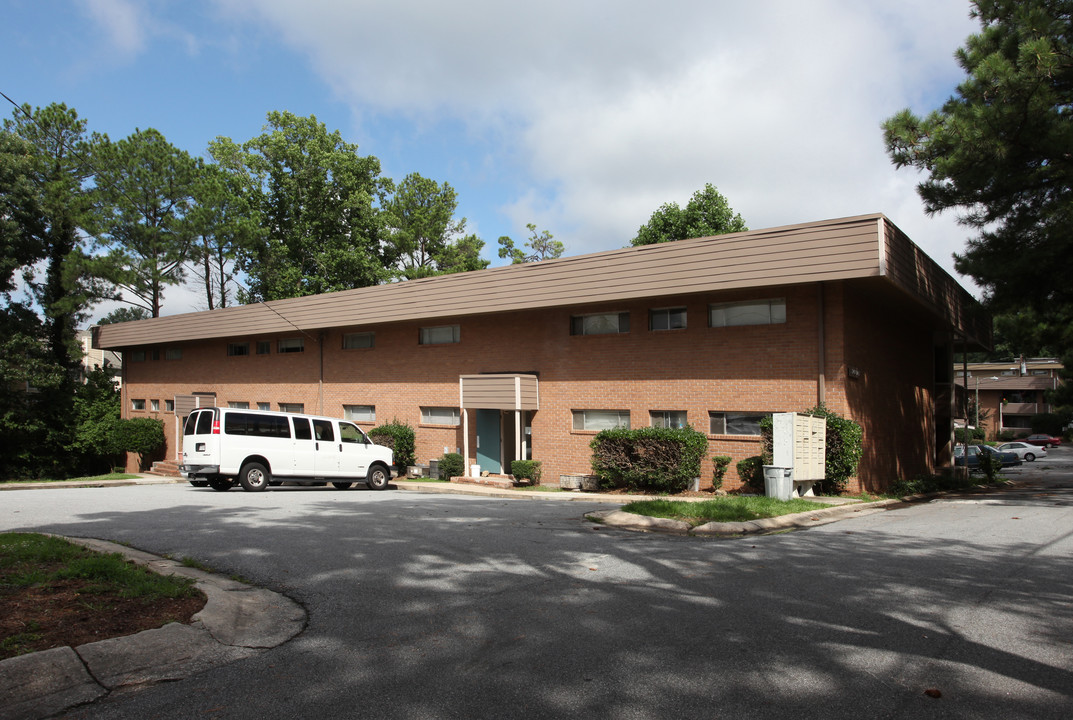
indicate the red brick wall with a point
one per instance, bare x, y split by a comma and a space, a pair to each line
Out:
698, 369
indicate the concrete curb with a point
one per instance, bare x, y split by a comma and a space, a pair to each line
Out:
238, 621
765, 526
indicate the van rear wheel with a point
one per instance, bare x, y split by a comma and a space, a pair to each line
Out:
378, 477
221, 484
342, 485
255, 477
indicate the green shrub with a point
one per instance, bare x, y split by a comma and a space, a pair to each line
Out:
720, 464
751, 472
526, 470
397, 436
139, 435
662, 460
973, 436
1049, 423
844, 450
451, 465
1007, 435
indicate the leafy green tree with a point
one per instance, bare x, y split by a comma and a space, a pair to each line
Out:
124, 314
706, 213
44, 212
145, 190
462, 255
541, 247
96, 419
223, 221
998, 152
315, 198
421, 223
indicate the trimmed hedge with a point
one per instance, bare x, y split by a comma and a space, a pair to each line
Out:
451, 465
397, 436
661, 460
526, 470
751, 472
720, 464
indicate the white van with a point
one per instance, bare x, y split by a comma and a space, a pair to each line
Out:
261, 448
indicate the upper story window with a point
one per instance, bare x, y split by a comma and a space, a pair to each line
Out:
668, 418
441, 335
154, 405
173, 354
735, 423
600, 324
264, 347
667, 319
137, 404
360, 413
238, 349
601, 419
169, 406
137, 355
439, 415
291, 345
355, 341
749, 312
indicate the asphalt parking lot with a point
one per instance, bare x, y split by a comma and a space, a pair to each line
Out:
438, 606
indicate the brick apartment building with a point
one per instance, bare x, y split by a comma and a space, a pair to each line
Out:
1008, 393
532, 360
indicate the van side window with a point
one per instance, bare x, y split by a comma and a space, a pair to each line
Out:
323, 430
239, 423
204, 422
301, 429
350, 434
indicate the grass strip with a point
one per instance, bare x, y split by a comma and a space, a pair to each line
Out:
723, 509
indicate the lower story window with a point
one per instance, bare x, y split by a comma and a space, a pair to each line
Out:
601, 419
668, 418
439, 415
735, 423
360, 413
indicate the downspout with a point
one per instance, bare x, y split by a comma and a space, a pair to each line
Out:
953, 390
821, 379
320, 380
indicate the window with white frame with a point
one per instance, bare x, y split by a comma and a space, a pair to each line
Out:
668, 418
735, 423
749, 312
169, 406
357, 341
154, 405
291, 345
137, 404
238, 405
601, 419
292, 407
667, 318
440, 335
600, 324
360, 413
439, 415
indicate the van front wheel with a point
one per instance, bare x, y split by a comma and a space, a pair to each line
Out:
378, 477
255, 477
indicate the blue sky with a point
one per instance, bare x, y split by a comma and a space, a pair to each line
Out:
582, 117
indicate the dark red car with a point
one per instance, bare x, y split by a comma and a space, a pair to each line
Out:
1043, 440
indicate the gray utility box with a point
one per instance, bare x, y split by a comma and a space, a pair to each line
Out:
799, 444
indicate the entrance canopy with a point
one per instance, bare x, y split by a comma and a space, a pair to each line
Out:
501, 391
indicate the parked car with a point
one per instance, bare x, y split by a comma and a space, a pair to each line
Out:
1026, 452
1044, 440
977, 452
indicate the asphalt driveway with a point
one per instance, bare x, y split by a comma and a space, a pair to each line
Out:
436, 606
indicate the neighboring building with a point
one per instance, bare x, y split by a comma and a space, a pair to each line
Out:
96, 358
1009, 393
532, 360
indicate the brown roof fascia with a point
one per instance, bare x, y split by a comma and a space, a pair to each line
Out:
829, 250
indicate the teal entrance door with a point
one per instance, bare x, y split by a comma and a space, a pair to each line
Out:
488, 441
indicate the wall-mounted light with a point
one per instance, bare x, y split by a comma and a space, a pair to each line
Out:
853, 372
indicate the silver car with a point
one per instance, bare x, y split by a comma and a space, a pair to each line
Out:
1026, 452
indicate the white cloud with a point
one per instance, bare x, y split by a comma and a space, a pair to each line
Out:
123, 24
621, 106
